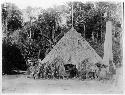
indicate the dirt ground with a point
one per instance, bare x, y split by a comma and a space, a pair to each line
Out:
22, 84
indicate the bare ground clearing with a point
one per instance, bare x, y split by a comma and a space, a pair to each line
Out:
21, 84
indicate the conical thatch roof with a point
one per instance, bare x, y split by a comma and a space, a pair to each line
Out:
73, 49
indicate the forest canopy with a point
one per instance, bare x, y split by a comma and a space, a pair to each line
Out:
34, 31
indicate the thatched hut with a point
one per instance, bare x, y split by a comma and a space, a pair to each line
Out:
73, 49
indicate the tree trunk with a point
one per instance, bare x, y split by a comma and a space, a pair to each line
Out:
93, 37
39, 53
84, 31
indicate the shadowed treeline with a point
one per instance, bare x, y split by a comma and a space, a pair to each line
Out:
33, 32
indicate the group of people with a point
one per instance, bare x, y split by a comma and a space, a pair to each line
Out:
46, 70
59, 70
92, 71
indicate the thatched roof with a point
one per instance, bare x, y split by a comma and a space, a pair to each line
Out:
73, 49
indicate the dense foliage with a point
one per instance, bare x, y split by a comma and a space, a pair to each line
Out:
37, 36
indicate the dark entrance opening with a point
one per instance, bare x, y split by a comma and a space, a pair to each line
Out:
71, 70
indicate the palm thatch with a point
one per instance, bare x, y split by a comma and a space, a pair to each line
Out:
71, 49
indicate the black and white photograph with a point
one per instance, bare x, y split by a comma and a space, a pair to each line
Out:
62, 46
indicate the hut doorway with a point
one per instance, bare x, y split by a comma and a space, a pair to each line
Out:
71, 70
